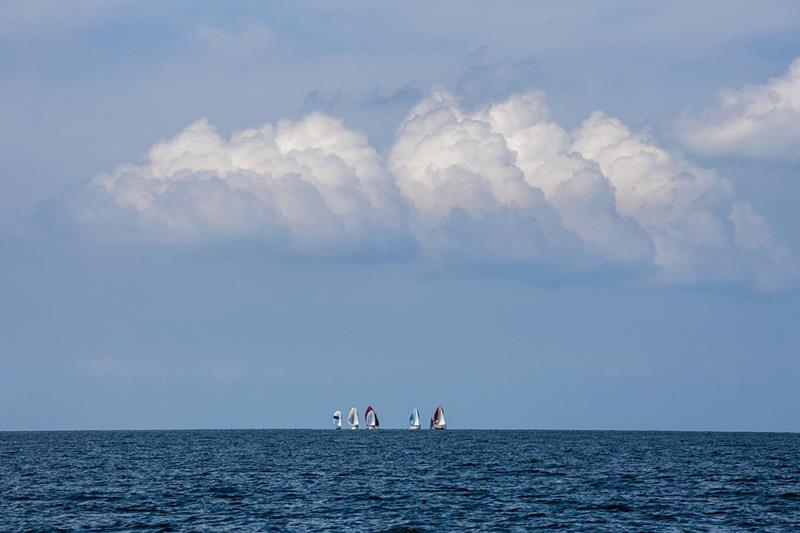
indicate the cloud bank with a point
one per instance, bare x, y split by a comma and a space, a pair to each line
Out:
501, 186
754, 121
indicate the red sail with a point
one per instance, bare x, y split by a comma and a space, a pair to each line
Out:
437, 421
375, 422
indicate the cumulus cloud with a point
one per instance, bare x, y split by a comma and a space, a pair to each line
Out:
691, 214
311, 186
753, 121
502, 185
508, 167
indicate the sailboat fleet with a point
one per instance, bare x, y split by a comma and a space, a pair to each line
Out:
371, 419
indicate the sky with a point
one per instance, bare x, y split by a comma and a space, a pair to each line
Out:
544, 216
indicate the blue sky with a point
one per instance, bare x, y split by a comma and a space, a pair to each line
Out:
538, 215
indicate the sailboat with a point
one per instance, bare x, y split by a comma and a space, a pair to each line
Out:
371, 418
413, 420
437, 420
337, 419
352, 417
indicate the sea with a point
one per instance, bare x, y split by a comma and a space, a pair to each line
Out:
398, 480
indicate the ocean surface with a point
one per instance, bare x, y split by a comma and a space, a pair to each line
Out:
398, 480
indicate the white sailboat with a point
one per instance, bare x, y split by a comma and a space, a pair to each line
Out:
352, 417
413, 420
437, 420
371, 418
337, 419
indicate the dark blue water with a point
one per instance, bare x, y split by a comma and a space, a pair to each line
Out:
398, 480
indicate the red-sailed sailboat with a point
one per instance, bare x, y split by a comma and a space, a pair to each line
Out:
437, 420
371, 418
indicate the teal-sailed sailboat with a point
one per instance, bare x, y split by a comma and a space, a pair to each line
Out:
413, 420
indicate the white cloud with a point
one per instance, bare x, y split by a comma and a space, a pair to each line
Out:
507, 167
583, 197
754, 121
312, 185
691, 214
502, 185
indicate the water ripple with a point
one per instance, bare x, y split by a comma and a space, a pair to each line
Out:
398, 481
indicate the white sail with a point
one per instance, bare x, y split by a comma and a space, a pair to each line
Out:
337, 419
352, 418
371, 418
413, 421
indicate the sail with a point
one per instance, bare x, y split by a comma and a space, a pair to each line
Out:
371, 418
437, 420
413, 420
337, 419
352, 417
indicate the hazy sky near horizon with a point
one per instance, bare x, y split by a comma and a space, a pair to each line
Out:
540, 215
